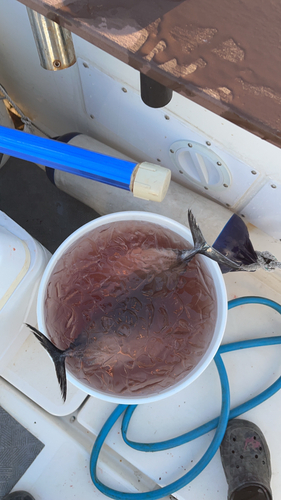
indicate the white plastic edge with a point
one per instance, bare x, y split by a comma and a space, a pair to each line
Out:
150, 181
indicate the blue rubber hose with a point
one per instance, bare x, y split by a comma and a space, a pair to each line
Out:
254, 300
189, 476
212, 424
220, 423
68, 158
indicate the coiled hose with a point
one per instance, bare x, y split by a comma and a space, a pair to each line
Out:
220, 423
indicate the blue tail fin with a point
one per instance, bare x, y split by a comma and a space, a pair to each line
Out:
234, 242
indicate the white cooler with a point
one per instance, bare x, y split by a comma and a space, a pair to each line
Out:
23, 362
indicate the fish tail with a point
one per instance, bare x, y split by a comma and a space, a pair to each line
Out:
57, 355
199, 242
201, 246
198, 238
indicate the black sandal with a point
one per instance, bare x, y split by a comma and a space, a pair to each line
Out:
246, 461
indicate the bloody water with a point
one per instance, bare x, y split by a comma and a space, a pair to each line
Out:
140, 330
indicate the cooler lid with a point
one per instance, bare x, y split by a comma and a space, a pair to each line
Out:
14, 263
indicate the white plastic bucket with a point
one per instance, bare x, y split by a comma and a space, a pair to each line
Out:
221, 299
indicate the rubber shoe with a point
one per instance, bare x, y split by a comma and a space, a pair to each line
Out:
246, 461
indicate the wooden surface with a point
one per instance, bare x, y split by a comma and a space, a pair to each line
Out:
224, 54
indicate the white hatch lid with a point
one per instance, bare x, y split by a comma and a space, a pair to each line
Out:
14, 263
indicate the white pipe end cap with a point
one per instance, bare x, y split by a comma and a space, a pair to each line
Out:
150, 182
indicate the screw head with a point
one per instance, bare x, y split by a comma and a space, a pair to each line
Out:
219, 163
253, 172
189, 145
171, 151
273, 186
167, 117
124, 90
225, 185
92, 116
158, 159
180, 171
56, 63
85, 65
208, 143
72, 419
205, 187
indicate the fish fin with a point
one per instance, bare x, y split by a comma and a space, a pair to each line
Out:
57, 356
201, 246
234, 242
199, 241
198, 238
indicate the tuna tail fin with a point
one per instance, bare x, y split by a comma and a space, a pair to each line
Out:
57, 356
199, 241
198, 238
201, 246
234, 242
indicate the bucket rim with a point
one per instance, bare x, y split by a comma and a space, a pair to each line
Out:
221, 296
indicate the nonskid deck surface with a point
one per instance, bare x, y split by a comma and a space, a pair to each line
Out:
19, 449
30, 394
30, 199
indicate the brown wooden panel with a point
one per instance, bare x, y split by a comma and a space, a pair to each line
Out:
222, 54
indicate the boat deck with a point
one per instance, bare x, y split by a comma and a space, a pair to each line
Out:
30, 199
61, 470
226, 62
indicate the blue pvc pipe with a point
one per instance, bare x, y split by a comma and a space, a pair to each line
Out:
68, 158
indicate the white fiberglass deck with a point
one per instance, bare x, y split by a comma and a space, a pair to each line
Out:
99, 97
61, 471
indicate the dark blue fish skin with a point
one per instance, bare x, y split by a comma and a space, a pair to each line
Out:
234, 242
